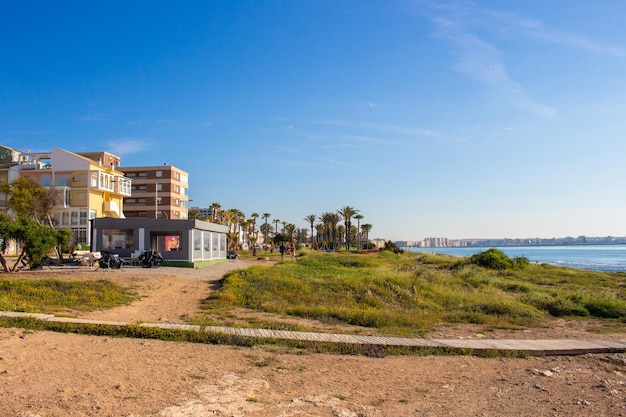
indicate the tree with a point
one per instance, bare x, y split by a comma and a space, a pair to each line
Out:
358, 218
330, 221
266, 216
37, 240
215, 212
252, 232
193, 214
347, 212
276, 221
6, 235
319, 228
29, 199
311, 219
289, 230
366, 229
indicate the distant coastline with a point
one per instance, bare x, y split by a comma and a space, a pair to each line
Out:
595, 256
442, 242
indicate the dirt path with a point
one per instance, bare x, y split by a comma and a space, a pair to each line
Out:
166, 294
52, 374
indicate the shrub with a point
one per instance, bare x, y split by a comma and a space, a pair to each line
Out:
391, 246
493, 259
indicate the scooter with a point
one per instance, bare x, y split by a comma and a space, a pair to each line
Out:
150, 259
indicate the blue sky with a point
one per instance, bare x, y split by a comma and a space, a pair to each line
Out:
454, 119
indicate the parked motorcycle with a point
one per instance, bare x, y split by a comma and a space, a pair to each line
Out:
149, 259
110, 260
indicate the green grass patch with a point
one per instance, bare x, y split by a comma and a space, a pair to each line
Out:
49, 295
408, 294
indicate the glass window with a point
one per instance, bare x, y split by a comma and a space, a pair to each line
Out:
167, 241
197, 244
117, 238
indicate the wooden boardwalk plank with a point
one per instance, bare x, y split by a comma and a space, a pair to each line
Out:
534, 347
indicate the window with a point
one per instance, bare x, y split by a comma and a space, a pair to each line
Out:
167, 241
74, 218
82, 217
45, 180
81, 196
117, 238
159, 174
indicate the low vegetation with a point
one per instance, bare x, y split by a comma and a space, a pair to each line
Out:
408, 294
54, 296
404, 294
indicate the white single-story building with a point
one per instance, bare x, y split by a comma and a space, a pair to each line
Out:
189, 243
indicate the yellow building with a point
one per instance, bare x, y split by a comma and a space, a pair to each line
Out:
88, 185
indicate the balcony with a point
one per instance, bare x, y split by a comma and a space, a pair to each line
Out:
104, 181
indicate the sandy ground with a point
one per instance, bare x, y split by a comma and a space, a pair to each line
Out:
52, 374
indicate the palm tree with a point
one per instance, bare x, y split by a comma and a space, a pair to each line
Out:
266, 216
341, 231
311, 219
319, 228
366, 229
276, 221
252, 231
347, 212
330, 221
358, 218
215, 208
289, 229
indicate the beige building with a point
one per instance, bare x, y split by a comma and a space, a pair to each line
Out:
87, 185
158, 192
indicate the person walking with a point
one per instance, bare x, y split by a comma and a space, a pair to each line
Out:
292, 252
282, 250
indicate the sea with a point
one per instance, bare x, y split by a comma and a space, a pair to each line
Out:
595, 257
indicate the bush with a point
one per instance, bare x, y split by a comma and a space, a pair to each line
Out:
391, 246
493, 259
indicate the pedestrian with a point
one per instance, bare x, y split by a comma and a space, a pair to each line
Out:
282, 250
292, 251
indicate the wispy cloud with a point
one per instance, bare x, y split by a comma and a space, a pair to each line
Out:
459, 24
413, 131
126, 145
482, 61
538, 30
